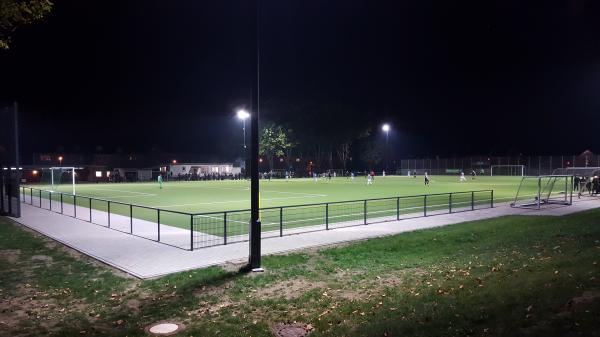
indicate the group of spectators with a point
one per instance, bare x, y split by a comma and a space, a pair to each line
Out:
208, 176
589, 185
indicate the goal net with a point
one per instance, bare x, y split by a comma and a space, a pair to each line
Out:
507, 170
586, 181
58, 179
536, 192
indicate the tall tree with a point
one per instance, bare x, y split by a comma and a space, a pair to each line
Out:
371, 153
273, 142
15, 13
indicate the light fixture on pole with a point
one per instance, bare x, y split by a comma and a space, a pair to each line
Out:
60, 159
386, 128
243, 115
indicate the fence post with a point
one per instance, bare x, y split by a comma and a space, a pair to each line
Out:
191, 232
108, 211
158, 224
224, 228
365, 212
61, 203
492, 199
327, 216
50, 200
90, 205
31, 195
130, 219
472, 200
398, 208
425, 205
280, 221
40, 198
74, 206
450, 203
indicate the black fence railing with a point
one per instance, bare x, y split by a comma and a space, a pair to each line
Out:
198, 230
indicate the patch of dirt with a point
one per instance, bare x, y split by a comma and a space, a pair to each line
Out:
586, 298
292, 330
288, 289
47, 260
10, 255
134, 306
213, 290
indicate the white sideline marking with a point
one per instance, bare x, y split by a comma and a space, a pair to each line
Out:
231, 201
248, 189
124, 191
391, 210
297, 193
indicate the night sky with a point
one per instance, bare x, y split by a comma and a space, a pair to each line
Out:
453, 77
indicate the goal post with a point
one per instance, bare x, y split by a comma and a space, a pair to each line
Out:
537, 191
507, 170
54, 177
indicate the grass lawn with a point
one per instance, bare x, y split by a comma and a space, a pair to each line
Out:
529, 276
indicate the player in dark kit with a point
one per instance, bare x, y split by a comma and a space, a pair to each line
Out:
426, 179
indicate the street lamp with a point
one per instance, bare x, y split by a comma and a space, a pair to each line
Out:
386, 128
60, 159
243, 115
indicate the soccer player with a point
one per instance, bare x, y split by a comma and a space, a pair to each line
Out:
369, 179
383, 174
160, 181
473, 174
462, 176
315, 176
426, 179
352, 175
408, 173
414, 174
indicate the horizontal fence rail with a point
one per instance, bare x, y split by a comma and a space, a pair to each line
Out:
198, 230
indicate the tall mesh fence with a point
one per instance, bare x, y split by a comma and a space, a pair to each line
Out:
533, 165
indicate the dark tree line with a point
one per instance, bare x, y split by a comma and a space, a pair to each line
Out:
330, 135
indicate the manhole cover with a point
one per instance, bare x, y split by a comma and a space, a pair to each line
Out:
291, 330
164, 328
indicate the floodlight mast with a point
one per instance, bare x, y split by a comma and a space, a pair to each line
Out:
255, 226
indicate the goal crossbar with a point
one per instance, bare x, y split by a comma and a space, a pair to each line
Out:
518, 170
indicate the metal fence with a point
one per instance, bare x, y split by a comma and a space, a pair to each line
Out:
198, 230
534, 165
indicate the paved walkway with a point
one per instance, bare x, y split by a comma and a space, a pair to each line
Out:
147, 259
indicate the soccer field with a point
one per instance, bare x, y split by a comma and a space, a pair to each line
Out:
206, 213
227, 195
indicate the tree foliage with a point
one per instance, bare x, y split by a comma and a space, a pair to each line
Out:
15, 13
274, 141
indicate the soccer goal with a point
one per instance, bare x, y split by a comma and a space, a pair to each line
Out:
586, 181
55, 178
535, 192
507, 170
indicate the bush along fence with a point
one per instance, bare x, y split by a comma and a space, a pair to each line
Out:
199, 230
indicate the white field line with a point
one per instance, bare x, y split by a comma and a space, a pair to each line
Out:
248, 189
124, 191
391, 210
230, 201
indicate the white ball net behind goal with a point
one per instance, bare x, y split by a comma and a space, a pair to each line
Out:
537, 192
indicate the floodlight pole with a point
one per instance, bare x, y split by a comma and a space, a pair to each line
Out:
255, 226
17, 213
